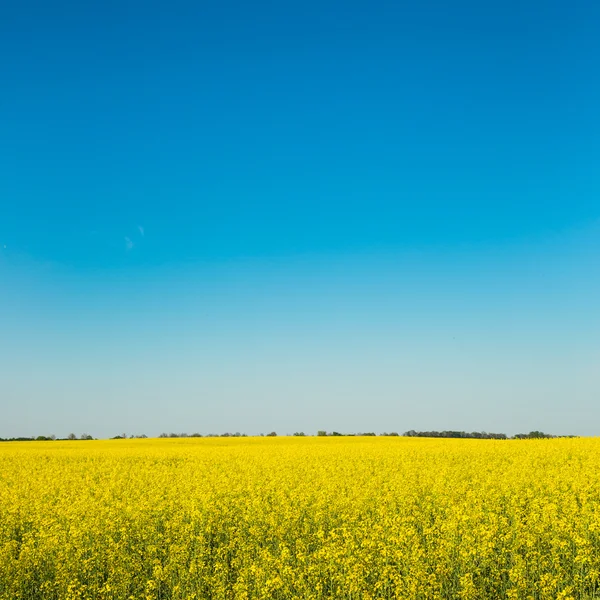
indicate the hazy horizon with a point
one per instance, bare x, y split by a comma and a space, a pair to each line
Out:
350, 217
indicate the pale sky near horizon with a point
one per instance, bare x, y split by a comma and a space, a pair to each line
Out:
344, 216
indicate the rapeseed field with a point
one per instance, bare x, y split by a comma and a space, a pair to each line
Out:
312, 518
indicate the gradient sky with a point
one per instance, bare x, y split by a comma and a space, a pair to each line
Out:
256, 216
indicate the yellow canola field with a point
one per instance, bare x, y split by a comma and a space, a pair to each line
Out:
283, 518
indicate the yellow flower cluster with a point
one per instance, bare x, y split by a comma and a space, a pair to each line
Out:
311, 518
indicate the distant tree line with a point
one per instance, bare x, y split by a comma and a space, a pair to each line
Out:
477, 435
48, 438
198, 435
483, 435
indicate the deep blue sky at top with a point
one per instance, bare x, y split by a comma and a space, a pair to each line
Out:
231, 129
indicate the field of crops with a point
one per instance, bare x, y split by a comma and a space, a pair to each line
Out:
347, 517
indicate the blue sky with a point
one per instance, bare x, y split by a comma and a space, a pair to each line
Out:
255, 216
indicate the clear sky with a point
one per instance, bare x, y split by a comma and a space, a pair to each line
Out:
256, 216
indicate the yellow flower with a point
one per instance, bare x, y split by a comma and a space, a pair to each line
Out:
310, 518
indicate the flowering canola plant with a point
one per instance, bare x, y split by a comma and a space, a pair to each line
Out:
312, 518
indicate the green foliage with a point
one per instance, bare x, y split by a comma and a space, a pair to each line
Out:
533, 435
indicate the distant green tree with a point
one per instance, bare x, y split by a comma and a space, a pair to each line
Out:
321, 433
538, 435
